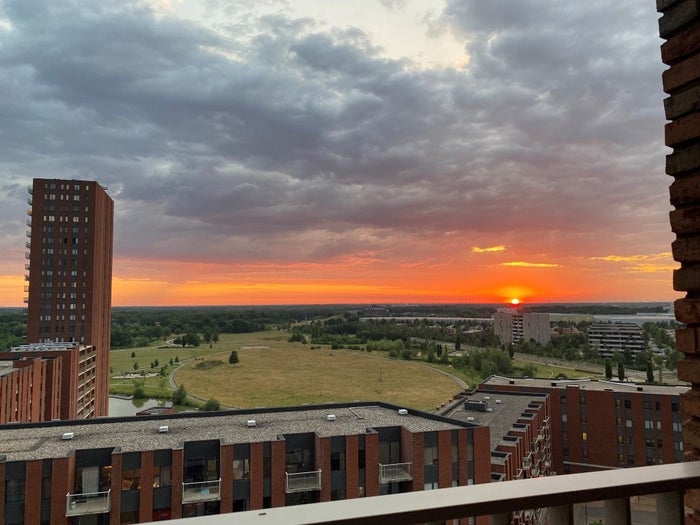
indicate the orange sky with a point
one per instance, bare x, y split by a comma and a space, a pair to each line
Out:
481, 277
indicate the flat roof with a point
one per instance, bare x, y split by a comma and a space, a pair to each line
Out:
505, 409
139, 433
588, 384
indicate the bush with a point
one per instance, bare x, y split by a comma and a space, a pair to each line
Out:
208, 365
233, 358
139, 393
180, 395
211, 406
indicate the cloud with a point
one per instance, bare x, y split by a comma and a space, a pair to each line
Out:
523, 264
642, 263
499, 248
270, 138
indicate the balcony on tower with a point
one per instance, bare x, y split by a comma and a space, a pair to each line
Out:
395, 472
199, 491
303, 481
87, 503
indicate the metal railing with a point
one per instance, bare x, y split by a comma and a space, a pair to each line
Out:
303, 481
394, 472
557, 497
87, 503
196, 491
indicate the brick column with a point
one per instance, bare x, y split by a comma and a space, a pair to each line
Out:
146, 491
680, 27
226, 474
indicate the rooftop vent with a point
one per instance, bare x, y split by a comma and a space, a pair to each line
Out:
498, 401
403, 412
251, 423
330, 417
163, 429
67, 436
512, 381
487, 398
470, 418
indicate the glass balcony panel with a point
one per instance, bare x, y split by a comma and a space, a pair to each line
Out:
197, 491
394, 472
87, 503
303, 481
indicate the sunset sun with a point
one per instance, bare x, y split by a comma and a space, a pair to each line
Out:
515, 301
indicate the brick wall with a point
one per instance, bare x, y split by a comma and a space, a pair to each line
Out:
679, 26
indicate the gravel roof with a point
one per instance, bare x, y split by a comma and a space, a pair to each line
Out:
587, 384
505, 411
138, 433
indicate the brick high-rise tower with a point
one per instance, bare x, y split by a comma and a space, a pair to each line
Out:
70, 271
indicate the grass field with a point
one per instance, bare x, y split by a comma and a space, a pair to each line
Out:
273, 372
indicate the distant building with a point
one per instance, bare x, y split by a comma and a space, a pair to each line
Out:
69, 282
151, 468
27, 389
605, 424
49, 381
512, 326
608, 338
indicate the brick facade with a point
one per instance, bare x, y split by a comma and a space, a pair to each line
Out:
679, 26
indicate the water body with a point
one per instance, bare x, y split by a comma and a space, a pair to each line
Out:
119, 407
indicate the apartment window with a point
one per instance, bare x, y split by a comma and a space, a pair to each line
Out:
584, 436
338, 460
131, 479
241, 468
431, 455
628, 403
14, 491
161, 476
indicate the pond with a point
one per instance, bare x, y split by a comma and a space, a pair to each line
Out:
119, 407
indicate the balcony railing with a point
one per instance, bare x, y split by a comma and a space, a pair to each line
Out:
197, 491
87, 503
557, 497
394, 472
303, 481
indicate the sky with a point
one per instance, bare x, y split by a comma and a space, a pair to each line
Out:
373, 151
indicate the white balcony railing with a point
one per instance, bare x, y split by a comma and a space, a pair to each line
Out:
395, 472
303, 481
197, 491
558, 499
87, 503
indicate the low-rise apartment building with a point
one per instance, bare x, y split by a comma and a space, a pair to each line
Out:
150, 468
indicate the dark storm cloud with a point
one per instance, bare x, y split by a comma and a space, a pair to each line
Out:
264, 132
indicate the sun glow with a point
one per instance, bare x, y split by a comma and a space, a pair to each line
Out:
515, 301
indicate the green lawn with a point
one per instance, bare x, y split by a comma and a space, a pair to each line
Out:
273, 372
551, 371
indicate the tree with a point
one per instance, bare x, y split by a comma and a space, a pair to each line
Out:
608, 369
180, 395
233, 358
136, 365
211, 406
133, 354
620, 370
650, 372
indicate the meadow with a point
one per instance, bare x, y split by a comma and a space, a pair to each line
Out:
274, 372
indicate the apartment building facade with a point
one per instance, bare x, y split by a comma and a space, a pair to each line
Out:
69, 274
513, 326
606, 424
50, 381
609, 338
131, 470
